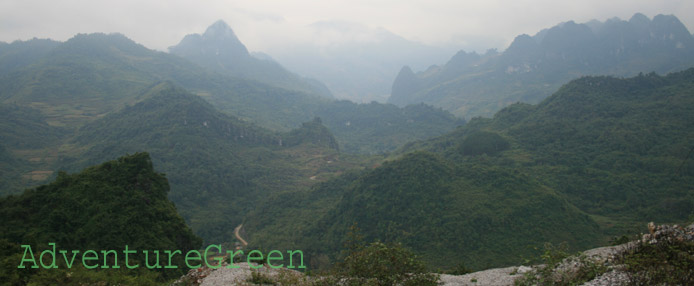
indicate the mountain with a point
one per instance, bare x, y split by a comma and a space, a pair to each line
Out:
220, 50
108, 206
379, 128
599, 158
92, 75
218, 165
19, 54
470, 84
598, 140
312, 132
28, 147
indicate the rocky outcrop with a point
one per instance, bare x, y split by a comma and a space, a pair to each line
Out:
668, 234
607, 261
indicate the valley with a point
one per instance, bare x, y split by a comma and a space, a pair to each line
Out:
564, 138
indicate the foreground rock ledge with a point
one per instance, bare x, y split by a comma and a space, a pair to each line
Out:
496, 276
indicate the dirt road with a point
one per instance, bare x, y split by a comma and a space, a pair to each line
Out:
238, 236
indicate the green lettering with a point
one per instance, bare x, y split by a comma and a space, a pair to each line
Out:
219, 259
197, 257
291, 252
27, 248
250, 259
270, 258
126, 252
115, 258
52, 253
170, 256
147, 260
231, 258
74, 254
85, 258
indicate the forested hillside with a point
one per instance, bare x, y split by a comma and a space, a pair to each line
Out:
218, 165
117, 203
595, 160
90, 75
251, 149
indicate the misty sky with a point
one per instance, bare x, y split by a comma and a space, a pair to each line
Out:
268, 25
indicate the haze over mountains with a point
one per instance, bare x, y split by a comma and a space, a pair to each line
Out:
99, 96
112, 71
472, 84
356, 62
219, 49
242, 140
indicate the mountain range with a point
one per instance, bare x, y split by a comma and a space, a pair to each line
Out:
220, 50
223, 140
533, 67
88, 76
598, 158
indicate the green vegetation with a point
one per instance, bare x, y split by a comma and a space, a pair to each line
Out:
483, 142
616, 148
448, 212
376, 263
599, 157
106, 207
378, 128
219, 166
663, 257
532, 68
89, 76
665, 263
561, 268
380, 264
312, 132
595, 159
19, 54
28, 147
26, 128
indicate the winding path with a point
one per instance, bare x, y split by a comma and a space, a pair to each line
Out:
238, 236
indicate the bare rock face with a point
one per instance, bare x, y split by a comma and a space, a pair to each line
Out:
609, 257
497, 276
667, 233
241, 275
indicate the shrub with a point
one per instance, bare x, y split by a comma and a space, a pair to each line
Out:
483, 142
662, 263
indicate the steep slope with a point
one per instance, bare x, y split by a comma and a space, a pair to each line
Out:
219, 49
616, 147
88, 76
118, 203
377, 128
452, 213
533, 67
312, 132
218, 165
599, 158
19, 54
91, 75
26, 128
28, 146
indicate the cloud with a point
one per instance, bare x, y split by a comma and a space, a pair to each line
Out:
264, 25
